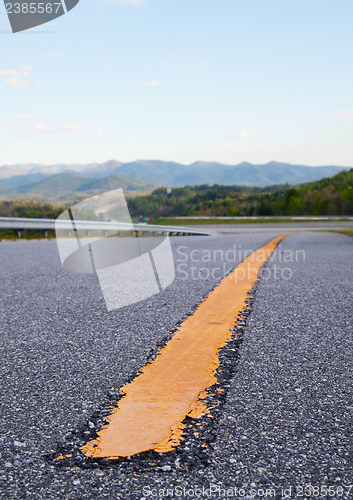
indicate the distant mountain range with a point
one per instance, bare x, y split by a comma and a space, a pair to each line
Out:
68, 187
65, 182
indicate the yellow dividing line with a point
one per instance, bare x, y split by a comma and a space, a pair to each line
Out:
150, 414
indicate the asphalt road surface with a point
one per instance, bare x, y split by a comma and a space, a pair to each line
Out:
281, 428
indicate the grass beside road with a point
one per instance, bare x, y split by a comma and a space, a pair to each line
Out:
187, 222
25, 235
347, 230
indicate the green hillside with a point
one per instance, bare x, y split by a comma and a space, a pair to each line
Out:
65, 183
31, 209
69, 187
115, 181
56, 187
330, 196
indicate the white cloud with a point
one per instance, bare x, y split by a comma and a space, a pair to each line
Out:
74, 128
152, 83
24, 70
40, 128
235, 135
25, 117
16, 82
14, 77
346, 115
26, 67
34, 125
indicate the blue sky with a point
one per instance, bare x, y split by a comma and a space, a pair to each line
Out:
181, 80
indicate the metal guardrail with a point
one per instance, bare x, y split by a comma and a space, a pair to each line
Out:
19, 223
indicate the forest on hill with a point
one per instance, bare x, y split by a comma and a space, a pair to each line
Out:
30, 209
329, 196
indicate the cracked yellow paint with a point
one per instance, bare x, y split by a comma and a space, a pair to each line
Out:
150, 415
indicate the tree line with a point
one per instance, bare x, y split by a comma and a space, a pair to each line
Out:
31, 209
329, 196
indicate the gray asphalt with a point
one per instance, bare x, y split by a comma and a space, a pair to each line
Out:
286, 420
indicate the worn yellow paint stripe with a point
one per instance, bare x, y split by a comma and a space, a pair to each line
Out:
150, 414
